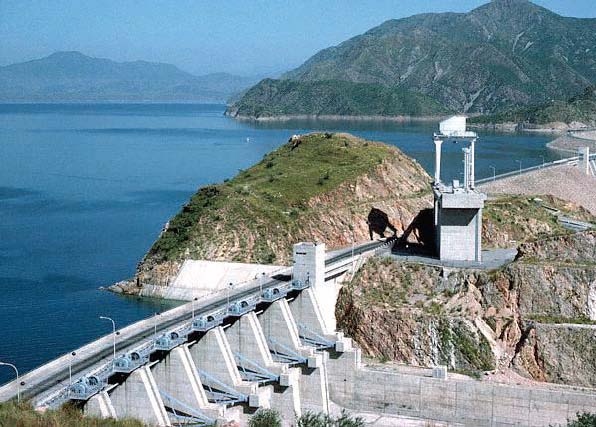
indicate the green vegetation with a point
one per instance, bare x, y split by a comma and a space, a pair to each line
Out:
485, 61
585, 419
24, 415
476, 354
521, 219
581, 108
265, 418
339, 98
311, 419
266, 199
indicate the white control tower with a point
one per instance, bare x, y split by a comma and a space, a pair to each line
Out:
458, 206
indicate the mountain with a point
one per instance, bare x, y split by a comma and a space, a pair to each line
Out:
578, 111
340, 98
503, 54
72, 76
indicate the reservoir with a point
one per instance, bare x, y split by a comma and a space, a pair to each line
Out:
86, 189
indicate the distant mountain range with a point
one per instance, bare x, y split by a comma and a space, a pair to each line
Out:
74, 77
504, 54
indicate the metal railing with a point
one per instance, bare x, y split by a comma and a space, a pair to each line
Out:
567, 160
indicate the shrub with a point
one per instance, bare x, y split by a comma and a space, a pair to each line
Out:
583, 420
310, 419
265, 418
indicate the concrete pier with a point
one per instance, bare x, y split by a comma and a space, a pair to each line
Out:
101, 406
281, 331
212, 354
138, 397
249, 345
176, 375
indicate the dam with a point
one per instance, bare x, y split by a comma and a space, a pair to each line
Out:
272, 344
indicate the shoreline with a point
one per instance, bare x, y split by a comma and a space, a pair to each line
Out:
336, 117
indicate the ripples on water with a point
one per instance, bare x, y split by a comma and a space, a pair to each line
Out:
85, 189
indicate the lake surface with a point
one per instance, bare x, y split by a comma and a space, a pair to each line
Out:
85, 190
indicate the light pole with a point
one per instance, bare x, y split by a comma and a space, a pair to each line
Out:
261, 284
113, 333
73, 354
520, 166
192, 304
17, 373
229, 290
543, 161
494, 172
155, 324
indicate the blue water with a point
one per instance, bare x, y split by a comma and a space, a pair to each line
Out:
85, 189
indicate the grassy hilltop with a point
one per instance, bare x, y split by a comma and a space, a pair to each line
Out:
315, 187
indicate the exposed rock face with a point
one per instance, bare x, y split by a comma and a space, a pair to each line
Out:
535, 315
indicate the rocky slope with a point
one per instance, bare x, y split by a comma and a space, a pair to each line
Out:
315, 187
503, 54
536, 316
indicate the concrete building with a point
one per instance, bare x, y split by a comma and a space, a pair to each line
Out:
458, 206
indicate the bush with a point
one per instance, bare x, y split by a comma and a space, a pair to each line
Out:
310, 419
583, 420
265, 418
23, 415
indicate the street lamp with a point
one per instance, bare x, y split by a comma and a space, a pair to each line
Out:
494, 172
193, 307
18, 384
155, 324
261, 284
520, 166
229, 289
113, 333
73, 354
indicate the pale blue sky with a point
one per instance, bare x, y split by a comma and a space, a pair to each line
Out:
200, 36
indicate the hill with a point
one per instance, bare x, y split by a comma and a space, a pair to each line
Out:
74, 77
271, 98
578, 111
315, 187
504, 54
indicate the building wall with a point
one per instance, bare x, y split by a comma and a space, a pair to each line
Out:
458, 234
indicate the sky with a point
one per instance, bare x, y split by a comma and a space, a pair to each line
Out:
245, 37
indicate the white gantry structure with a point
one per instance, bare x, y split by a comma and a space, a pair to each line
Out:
458, 206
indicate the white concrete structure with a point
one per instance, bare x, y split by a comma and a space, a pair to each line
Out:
458, 209
198, 278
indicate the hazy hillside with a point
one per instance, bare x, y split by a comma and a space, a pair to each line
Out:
288, 97
72, 76
504, 54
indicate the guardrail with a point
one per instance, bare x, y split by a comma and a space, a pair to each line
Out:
531, 168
